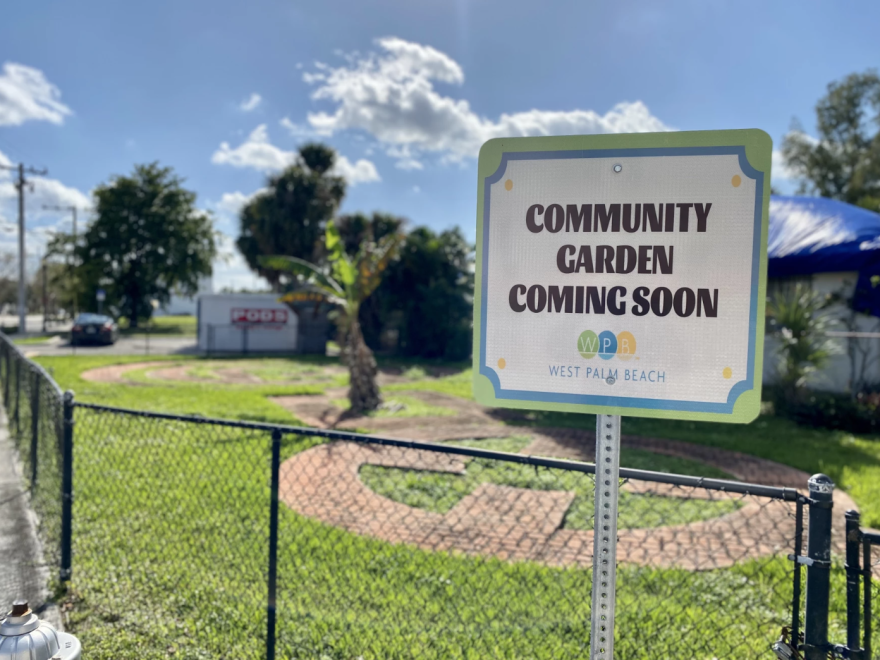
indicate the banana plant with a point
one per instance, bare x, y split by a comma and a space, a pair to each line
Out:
346, 282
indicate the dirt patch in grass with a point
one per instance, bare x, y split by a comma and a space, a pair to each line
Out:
115, 373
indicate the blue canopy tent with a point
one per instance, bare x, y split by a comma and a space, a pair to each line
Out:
816, 235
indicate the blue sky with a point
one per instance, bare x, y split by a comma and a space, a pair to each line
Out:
405, 91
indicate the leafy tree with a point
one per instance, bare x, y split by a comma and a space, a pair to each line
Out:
59, 293
426, 297
798, 318
290, 216
147, 239
347, 282
844, 163
356, 228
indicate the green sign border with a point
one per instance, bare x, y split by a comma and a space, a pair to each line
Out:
759, 153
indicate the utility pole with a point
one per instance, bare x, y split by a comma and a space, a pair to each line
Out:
20, 184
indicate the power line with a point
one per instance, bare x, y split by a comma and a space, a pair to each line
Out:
20, 186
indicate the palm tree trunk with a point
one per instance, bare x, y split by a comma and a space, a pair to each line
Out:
363, 392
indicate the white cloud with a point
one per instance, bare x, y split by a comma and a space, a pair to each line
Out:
26, 95
780, 171
41, 224
228, 208
299, 131
363, 171
231, 203
405, 158
257, 152
231, 270
250, 103
392, 97
48, 192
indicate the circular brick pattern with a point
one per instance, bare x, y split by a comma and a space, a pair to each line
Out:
522, 524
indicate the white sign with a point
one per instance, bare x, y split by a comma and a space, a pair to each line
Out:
626, 279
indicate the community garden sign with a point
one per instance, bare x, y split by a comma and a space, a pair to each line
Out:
623, 274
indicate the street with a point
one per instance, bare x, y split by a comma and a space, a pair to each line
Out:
138, 345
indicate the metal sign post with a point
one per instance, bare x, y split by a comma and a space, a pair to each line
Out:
100, 296
605, 536
633, 261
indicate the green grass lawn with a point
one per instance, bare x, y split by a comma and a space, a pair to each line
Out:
161, 325
187, 398
30, 341
170, 544
170, 552
853, 462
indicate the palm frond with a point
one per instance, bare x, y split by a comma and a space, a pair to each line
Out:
306, 270
343, 269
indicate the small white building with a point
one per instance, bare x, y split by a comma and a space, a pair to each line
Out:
180, 305
834, 249
246, 323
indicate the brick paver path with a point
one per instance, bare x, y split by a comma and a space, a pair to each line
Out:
525, 524
516, 523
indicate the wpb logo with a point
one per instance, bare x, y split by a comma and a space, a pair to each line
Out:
606, 345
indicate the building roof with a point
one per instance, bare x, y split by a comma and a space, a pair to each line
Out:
817, 235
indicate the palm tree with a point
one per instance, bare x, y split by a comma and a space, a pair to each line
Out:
347, 283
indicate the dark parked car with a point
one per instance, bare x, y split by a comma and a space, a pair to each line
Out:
94, 329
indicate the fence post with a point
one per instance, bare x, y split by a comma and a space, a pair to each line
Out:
796, 586
818, 568
853, 582
866, 571
273, 546
17, 395
6, 376
35, 427
67, 486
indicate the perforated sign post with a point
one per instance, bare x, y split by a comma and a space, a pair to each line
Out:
622, 275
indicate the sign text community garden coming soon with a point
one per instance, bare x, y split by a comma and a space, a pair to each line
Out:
623, 274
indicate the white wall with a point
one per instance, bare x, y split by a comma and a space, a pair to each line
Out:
218, 331
836, 377
180, 305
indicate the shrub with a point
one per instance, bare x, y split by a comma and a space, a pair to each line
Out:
798, 318
830, 410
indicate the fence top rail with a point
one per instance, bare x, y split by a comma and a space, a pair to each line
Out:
772, 492
871, 537
32, 365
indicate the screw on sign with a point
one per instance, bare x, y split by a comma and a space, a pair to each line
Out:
622, 275
266, 316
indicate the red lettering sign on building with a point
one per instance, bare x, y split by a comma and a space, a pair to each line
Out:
256, 316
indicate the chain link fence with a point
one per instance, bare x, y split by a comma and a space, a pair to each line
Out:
197, 538
870, 545
374, 548
33, 405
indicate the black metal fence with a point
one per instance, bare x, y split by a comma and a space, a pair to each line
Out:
197, 538
863, 570
33, 403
